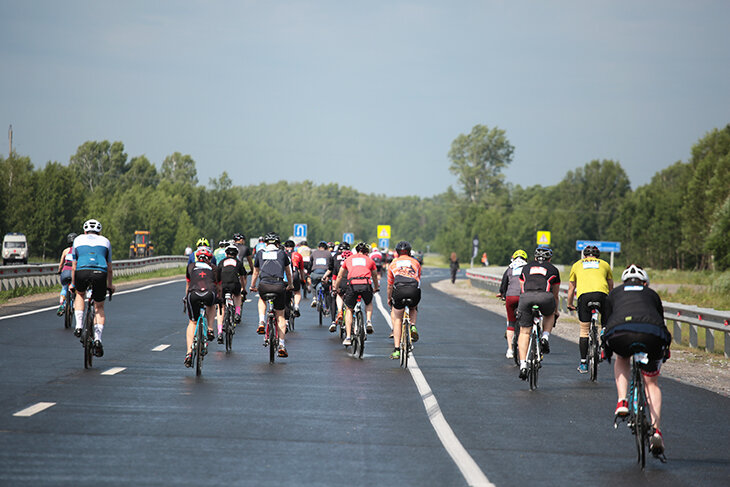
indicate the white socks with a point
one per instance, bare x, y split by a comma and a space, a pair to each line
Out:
546, 335
79, 314
98, 329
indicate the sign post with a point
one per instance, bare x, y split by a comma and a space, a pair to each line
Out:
613, 247
475, 249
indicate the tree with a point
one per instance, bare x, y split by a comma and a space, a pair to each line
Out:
179, 168
478, 160
99, 164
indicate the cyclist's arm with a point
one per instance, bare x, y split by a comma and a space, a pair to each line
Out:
289, 278
390, 292
250, 261
556, 292
341, 274
610, 284
73, 274
63, 257
376, 284
254, 278
571, 292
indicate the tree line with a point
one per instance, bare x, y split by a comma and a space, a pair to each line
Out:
681, 219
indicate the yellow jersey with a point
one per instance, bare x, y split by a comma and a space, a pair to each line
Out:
590, 275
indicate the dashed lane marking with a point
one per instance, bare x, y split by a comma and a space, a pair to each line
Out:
34, 409
113, 371
466, 464
160, 348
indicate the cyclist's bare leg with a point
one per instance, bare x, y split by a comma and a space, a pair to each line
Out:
189, 334
510, 334
281, 323
348, 322
209, 316
523, 341
654, 398
262, 310
547, 323
397, 318
220, 318
412, 314
621, 373
99, 319
369, 312
340, 303
297, 298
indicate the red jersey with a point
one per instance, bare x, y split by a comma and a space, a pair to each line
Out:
297, 262
359, 269
404, 270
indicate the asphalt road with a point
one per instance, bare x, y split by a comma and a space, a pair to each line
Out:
321, 417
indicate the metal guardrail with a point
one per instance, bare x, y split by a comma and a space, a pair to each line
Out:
714, 321
12, 276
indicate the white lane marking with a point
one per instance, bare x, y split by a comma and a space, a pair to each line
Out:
466, 464
56, 306
34, 409
160, 348
113, 371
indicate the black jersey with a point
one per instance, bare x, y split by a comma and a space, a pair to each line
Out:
538, 276
271, 262
321, 260
229, 270
201, 276
634, 308
243, 251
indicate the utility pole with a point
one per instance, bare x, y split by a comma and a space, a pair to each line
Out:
10, 141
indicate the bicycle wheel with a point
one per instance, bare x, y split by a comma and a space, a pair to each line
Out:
361, 334
320, 307
405, 343
88, 336
533, 362
642, 424
200, 337
271, 333
593, 354
68, 311
515, 347
291, 315
228, 328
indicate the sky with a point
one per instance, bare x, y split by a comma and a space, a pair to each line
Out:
366, 94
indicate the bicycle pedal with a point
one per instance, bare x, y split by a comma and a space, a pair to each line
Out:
266, 343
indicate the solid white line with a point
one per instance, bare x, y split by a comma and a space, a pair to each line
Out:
56, 306
466, 464
34, 409
160, 348
113, 371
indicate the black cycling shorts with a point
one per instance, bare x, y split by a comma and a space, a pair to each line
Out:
545, 301
352, 291
196, 299
584, 314
625, 343
91, 279
296, 280
401, 293
279, 289
232, 287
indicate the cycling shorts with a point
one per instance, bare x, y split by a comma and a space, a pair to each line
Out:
232, 287
316, 276
91, 279
196, 299
622, 342
510, 303
279, 289
400, 293
296, 280
352, 291
543, 299
584, 314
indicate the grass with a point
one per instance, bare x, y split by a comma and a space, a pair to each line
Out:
701, 340
435, 260
29, 291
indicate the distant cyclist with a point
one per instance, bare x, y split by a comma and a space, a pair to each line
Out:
202, 242
220, 253
231, 275
509, 290
297, 273
65, 268
591, 280
244, 252
201, 289
339, 286
361, 277
634, 316
92, 269
404, 282
378, 258
540, 286
306, 253
321, 259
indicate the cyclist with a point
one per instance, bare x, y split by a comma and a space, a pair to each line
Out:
65, 268
306, 253
509, 290
260, 245
220, 253
540, 281
202, 242
92, 269
321, 260
591, 280
377, 257
201, 288
404, 282
231, 275
297, 272
361, 281
272, 265
338, 285
244, 252
634, 314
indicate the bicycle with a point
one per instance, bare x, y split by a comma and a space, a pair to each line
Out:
358, 329
594, 343
639, 417
534, 353
271, 335
200, 341
68, 312
323, 307
289, 312
406, 340
229, 328
87, 332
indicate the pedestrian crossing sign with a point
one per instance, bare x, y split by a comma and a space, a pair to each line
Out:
383, 231
543, 238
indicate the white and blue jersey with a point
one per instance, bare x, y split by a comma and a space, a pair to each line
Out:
92, 252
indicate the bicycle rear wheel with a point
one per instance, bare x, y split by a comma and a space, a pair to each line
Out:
361, 334
642, 425
405, 344
593, 354
320, 308
271, 333
228, 328
200, 344
533, 362
88, 337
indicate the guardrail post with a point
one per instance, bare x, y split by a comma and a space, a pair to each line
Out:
709, 340
693, 335
727, 345
677, 331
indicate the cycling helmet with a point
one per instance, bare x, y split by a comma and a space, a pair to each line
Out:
591, 251
403, 248
346, 253
202, 242
239, 236
289, 244
519, 254
343, 246
303, 243
272, 238
543, 253
223, 243
635, 272
92, 226
71, 237
203, 253
322, 245
362, 248
231, 250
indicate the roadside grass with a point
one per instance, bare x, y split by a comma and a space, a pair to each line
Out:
435, 260
20, 291
719, 348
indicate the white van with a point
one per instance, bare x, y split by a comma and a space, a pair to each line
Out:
15, 248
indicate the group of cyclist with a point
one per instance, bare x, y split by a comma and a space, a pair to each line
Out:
632, 318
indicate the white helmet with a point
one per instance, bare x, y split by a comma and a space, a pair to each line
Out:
635, 272
92, 226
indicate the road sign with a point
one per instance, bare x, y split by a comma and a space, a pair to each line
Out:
384, 231
300, 230
348, 237
383, 243
602, 246
543, 238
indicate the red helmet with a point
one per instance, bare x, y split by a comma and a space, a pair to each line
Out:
203, 253
346, 254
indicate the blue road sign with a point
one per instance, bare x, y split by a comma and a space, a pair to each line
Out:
300, 230
348, 237
383, 243
602, 246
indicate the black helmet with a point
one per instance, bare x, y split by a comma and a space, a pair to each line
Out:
403, 247
322, 245
543, 253
71, 237
343, 246
362, 248
289, 244
272, 238
239, 236
591, 251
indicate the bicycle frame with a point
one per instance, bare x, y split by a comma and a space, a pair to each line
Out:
200, 346
534, 353
271, 335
